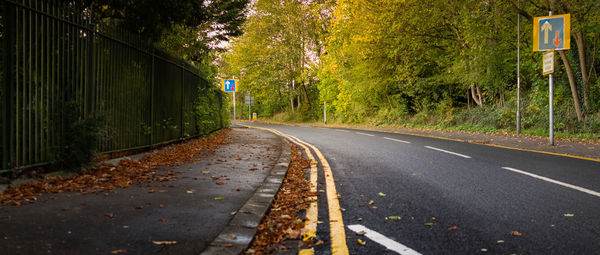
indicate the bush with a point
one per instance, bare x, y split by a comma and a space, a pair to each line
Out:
77, 146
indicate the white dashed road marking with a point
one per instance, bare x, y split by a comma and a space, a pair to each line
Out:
396, 140
364, 134
571, 186
383, 240
449, 152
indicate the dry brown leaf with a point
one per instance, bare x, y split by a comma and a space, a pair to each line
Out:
164, 242
453, 228
516, 233
118, 251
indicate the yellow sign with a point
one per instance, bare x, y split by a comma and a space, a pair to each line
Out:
552, 32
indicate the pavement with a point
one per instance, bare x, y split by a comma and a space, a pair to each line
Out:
213, 207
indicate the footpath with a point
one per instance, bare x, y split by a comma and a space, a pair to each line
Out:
212, 205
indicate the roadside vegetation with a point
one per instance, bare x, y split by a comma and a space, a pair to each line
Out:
436, 64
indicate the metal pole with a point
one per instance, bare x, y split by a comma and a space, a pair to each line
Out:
7, 123
518, 72
550, 102
234, 99
551, 111
325, 112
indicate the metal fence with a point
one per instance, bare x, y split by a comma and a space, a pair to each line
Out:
53, 56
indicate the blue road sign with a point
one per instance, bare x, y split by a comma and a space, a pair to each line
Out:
230, 85
552, 33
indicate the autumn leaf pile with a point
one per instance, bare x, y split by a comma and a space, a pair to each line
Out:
106, 177
282, 221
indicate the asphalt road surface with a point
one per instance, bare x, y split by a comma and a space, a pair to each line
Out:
448, 197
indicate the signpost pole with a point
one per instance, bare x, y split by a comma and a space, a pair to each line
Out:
551, 101
234, 100
518, 72
325, 112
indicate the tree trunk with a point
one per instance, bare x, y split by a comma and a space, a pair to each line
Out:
580, 41
563, 56
477, 99
306, 99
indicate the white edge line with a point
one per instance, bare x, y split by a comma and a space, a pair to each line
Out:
364, 134
591, 192
392, 139
383, 240
341, 130
449, 152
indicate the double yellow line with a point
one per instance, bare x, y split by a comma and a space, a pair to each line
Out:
336, 223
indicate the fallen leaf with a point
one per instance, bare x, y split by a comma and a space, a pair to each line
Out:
151, 191
231, 237
393, 217
205, 172
359, 219
484, 249
227, 245
371, 202
164, 242
381, 194
191, 191
568, 214
361, 242
361, 233
453, 228
118, 251
220, 183
161, 206
516, 233
163, 221
110, 215
433, 218
139, 207
219, 198
319, 242
429, 224
500, 241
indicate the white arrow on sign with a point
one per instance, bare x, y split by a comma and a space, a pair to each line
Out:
227, 84
546, 28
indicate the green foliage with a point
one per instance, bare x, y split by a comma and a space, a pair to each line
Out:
154, 18
414, 62
207, 110
76, 148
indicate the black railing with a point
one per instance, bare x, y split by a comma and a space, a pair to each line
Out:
53, 56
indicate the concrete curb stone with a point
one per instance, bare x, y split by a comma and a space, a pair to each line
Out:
240, 231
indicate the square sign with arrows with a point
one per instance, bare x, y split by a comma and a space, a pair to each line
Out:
552, 32
229, 85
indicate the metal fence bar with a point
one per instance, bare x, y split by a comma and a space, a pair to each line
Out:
54, 56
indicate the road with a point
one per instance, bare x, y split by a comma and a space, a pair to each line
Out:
453, 197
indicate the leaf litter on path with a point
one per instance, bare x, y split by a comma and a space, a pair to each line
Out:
106, 177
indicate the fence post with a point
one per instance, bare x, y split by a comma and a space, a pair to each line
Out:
9, 31
152, 101
91, 68
181, 129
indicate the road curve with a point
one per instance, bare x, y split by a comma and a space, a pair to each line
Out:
449, 197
